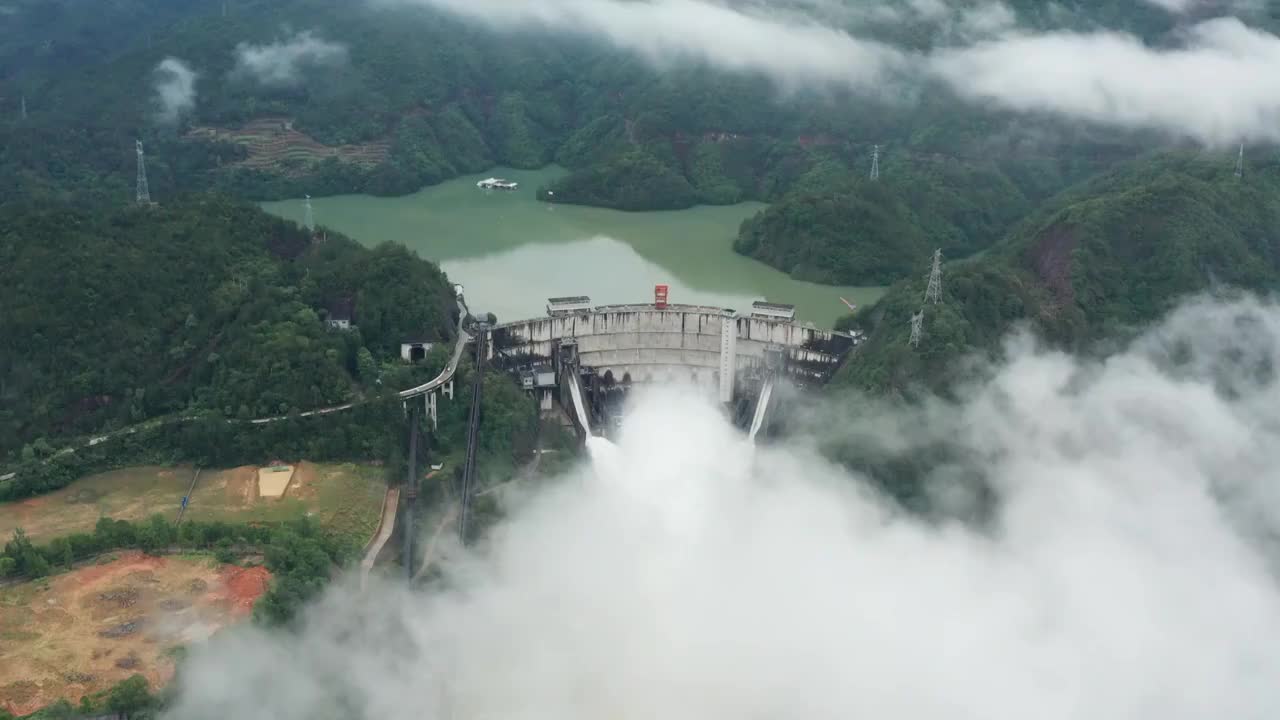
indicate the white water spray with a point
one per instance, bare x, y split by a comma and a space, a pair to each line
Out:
681, 576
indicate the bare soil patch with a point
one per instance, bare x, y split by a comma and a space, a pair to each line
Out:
273, 481
86, 630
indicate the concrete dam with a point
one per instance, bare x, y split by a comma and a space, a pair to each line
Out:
606, 349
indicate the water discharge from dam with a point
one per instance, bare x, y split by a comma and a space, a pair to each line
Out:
604, 454
1126, 571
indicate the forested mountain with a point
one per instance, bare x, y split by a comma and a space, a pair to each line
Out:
863, 232
275, 98
1098, 261
116, 317
384, 99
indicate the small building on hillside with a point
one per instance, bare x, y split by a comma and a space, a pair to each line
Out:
341, 314
415, 350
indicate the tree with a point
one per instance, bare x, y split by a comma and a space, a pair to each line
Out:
366, 366
156, 534
129, 696
28, 560
60, 710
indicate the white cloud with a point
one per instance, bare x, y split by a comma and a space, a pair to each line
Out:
1217, 6
985, 19
1175, 6
684, 576
793, 51
1220, 87
283, 62
175, 86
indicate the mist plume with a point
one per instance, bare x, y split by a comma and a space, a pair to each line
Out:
1218, 86
1125, 572
175, 87
282, 63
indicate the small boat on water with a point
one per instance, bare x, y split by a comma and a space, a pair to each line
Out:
497, 184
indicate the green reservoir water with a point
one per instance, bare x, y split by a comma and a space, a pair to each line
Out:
512, 252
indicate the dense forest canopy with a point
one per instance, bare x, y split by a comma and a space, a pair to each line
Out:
197, 304
172, 325
1098, 261
268, 99
445, 97
387, 97
863, 232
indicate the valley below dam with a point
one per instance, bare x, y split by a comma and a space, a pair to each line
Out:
512, 252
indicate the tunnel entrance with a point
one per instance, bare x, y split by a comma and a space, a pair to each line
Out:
414, 350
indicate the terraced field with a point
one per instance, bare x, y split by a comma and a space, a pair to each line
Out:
275, 146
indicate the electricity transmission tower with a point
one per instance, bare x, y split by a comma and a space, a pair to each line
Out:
309, 220
933, 293
1240, 163
144, 192
917, 328
875, 162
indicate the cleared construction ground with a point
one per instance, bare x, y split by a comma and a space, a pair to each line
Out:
83, 631
274, 146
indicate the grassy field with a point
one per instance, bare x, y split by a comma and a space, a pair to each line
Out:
346, 498
83, 631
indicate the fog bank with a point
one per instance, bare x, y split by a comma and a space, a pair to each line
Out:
1216, 84
1123, 576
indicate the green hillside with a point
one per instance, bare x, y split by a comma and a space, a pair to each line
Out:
418, 96
206, 303
841, 231
1098, 261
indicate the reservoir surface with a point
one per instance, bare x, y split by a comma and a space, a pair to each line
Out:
512, 252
